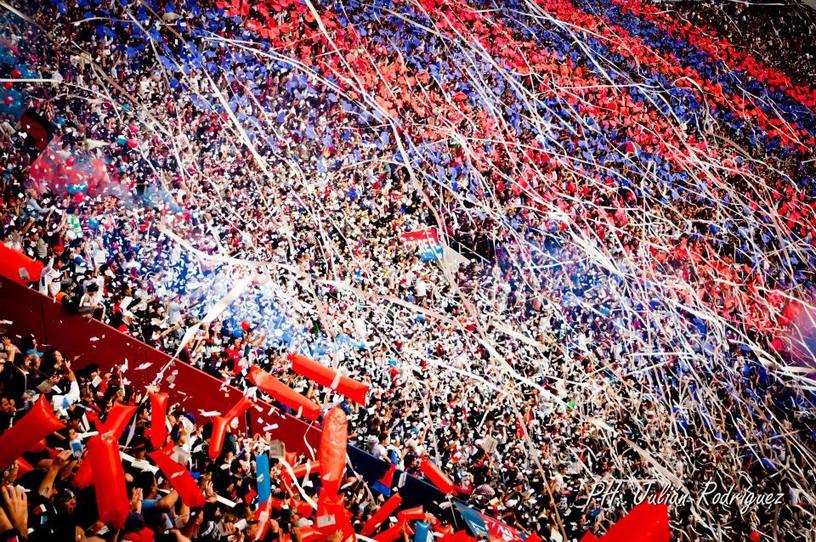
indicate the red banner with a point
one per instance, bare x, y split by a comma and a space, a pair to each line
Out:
425, 236
501, 531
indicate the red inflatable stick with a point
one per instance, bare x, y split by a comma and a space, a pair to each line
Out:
332, 516
331, 512
18, 267
114, 425
158, 421
645, 523
332, 453
326, 376
436, 476
309, 533
262, 515
412, 514
220, 424
379, 516
390, 535
117, 420
459, 536
109, 479
37, 424
239, 408
219, 431
180, 479
23, 467
283, 393
84, 475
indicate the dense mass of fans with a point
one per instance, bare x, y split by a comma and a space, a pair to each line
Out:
782, 36
191, 157
41, 500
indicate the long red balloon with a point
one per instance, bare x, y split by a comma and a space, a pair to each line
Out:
326, 376
307, 533
435, 475
332, 516
220, 424
84, 475
114, 424
645, 523
283, 393
412, 514
109, 480
23, 467
117, 419
158, 420
332, 457
332, 453
180, 478
239, 408
389, 535
461, 536
379, 516
219, 431
38, 423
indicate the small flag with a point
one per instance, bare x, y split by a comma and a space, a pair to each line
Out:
384, 484
262, 477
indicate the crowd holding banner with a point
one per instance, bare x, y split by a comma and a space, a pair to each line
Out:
523, 248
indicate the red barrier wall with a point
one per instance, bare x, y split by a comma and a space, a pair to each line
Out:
95, 342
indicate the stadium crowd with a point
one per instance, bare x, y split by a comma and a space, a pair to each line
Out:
43, 499
757, 29
522, 367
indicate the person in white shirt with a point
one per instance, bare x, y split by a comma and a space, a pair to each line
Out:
51, 278
378, 447
91, 302
421, 288
62, 402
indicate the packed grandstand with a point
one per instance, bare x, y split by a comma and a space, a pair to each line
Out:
545, 265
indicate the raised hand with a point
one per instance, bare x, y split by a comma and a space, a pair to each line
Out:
16, 502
